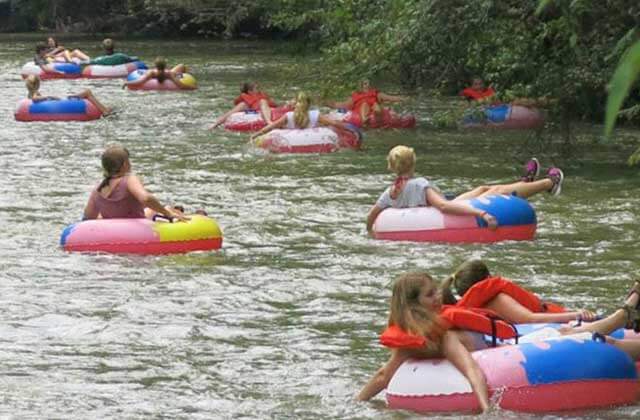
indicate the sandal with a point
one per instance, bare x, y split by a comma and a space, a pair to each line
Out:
632, 316
635, 289
598, 338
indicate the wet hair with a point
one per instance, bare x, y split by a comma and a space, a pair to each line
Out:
161, 65
247, 86
301, 111
33, 85
406, 311
401, 160
41, 47
108, 44
466, 275
113, 159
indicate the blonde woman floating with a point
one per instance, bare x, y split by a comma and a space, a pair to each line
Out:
302, 117
409, 191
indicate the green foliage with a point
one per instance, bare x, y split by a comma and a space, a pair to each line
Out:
621, 83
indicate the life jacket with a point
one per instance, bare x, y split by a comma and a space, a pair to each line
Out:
476, 95
471, 319
482, 292
369, 97
252, 100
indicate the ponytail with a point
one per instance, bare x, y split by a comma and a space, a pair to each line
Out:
301, 110
161, 65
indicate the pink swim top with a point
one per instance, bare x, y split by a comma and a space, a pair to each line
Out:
119, 204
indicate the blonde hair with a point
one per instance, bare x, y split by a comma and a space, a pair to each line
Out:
406, 311
466, 275
33, 85
301, 111
113, 159
401, 160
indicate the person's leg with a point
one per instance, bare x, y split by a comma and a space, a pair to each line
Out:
180, 68
476, 192
631, 347
265, 110
88, 95
622, 317
377, 114
80, 55
521, 189
363, 112
67, 56
238, 108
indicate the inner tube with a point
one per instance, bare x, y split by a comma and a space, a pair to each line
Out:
142, 236
516, 221
567, 373
308, 140
390, 119
504, 116
77, 71
153, 84
70, 109
251, 120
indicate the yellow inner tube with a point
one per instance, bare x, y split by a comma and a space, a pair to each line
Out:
199, 227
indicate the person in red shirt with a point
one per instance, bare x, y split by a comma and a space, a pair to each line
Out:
479, 289
250, 98
478, 91
366, 103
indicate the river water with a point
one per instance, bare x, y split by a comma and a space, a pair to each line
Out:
283, 322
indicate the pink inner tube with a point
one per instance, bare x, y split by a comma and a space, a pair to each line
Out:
569, 373
251, 120
28, 111
308, 140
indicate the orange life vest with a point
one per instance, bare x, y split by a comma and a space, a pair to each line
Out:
476, 95
471, 319
369, 97
482, 292
252, 100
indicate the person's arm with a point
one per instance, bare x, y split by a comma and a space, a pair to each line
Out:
452, 207
348, 104
391, 98
146, 76
382, 377
324, 120
55, 51
177, 80
279, 123
135, 187
372, 216
459, 356
511, 310
90, 211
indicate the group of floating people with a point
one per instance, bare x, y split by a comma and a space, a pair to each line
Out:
426, 320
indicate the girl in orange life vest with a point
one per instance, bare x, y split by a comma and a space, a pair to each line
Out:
161, 73
408, 191
478, 92
250, 98
415, 309
301, 117
367, 101
479, 289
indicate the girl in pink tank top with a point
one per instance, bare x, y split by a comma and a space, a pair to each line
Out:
121, 194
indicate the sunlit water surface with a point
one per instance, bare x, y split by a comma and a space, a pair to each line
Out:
283, 322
